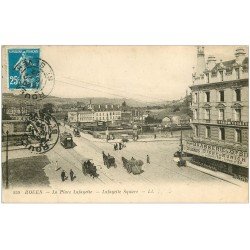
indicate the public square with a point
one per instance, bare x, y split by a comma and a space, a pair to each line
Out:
175, 183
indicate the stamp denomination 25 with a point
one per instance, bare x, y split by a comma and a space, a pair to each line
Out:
28, 73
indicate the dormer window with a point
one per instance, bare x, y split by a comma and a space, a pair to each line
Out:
221, 76
237, 71
207, 77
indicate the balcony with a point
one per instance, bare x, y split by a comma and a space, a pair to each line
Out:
223, 143
221, 122
232, 123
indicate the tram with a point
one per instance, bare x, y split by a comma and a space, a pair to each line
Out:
66, 140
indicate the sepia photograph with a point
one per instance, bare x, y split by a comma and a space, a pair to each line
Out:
125, 124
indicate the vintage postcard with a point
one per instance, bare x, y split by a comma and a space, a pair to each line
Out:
125, 124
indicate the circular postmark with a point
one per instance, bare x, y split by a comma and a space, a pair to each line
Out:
42, 132
37, 78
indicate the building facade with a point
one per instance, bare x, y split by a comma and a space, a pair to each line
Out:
220, 113
94, 116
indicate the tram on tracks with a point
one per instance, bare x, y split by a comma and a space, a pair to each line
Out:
66, 140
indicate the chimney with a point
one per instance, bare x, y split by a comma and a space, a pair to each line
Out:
211, 62
240, 55
200, 60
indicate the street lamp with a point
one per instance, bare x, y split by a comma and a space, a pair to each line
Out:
7, 159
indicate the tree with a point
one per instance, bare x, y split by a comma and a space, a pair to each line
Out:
48, 108
124, 104
150, 119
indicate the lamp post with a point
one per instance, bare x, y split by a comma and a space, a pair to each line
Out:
7, 159
107, 130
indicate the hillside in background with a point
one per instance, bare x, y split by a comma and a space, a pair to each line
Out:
158, 110
9, 98
174, 108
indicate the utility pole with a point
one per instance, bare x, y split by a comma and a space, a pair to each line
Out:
181, 141
107, 129
7, 159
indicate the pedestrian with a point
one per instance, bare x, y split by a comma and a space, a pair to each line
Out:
63, 175
155, 136
115, 146
72, 175
120, 146
148, 159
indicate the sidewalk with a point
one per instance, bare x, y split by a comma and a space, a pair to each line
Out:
149, 139
91, 138
219, 175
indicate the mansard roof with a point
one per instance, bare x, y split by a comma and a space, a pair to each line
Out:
228, 64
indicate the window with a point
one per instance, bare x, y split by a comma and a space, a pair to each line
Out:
195, 97
237, 71
221, 94
196, 130
207, 96
222, 134
238, 135
207, 76
237, 115
208, 132
195, 114
238, 95
221, 76
207, 114
221, 114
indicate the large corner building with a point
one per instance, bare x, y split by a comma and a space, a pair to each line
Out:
220, 113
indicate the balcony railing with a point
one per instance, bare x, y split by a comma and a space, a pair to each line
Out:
234, 123
221, 122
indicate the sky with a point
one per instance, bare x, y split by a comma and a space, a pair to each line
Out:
144, 73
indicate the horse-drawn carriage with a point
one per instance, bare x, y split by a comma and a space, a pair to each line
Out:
108, 160
89, 168
132, 166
